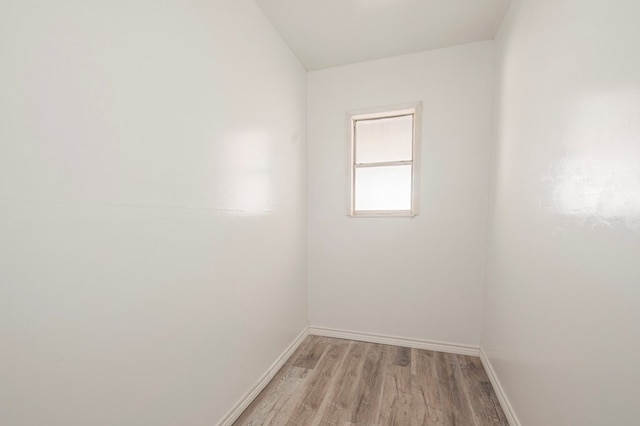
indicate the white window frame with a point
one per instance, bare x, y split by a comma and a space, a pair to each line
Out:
415, 109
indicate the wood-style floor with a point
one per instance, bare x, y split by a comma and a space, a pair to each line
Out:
341, 382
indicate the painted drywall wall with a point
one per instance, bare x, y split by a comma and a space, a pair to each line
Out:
562, 303
152, 209
419, 277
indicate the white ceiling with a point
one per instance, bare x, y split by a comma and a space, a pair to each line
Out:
326, 33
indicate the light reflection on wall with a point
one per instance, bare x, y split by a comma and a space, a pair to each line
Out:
599, 178
248, 187
599, 188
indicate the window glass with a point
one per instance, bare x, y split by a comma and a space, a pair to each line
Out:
383, 188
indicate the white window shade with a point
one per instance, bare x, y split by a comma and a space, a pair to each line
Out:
384, 139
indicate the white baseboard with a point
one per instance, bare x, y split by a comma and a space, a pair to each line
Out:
454, 348
248, 398
502, 396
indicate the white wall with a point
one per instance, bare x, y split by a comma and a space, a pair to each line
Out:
562, 303
420, 277
152, 209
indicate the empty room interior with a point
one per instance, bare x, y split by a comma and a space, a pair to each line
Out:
319, 212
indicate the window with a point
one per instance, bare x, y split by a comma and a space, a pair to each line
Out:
383, 151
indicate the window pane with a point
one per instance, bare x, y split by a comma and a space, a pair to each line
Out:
384, 139
383, 188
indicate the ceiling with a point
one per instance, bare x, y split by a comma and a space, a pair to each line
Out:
326, 33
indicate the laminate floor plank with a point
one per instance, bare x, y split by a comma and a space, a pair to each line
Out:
456, 408
309, 356
318, 383
336, 382
334, 408
268, 404
426, 403
402, 356
274, 404
395, 408
482, 398
367, 401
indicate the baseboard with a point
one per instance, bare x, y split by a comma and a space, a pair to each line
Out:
502, 396
453, 348
248, 398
